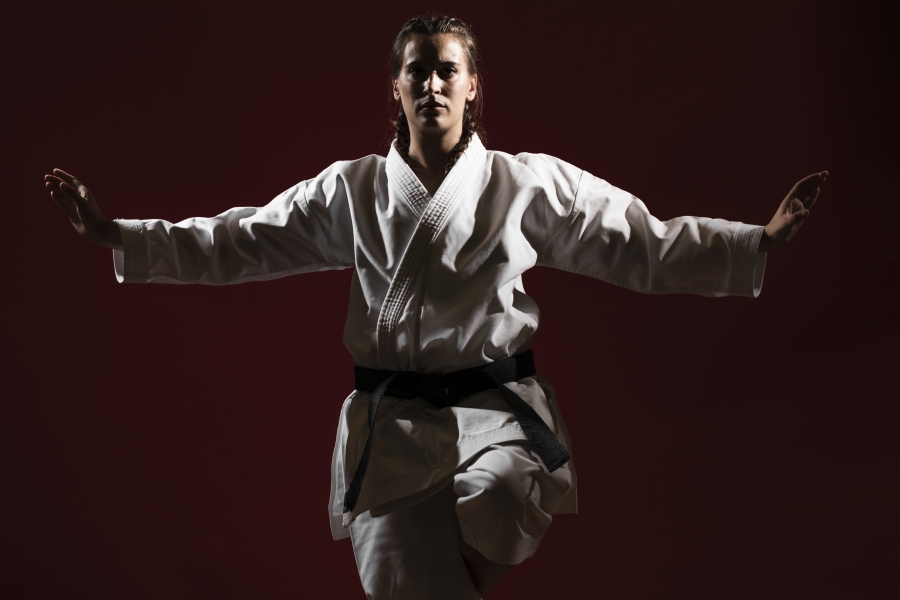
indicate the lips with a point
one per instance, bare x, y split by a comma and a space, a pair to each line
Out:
432, 105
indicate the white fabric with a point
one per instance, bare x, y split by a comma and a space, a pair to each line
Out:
418, 447
500, 504
506, 499
437, 284
413, 553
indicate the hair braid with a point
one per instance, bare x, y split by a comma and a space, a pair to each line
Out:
402, 137
463, 143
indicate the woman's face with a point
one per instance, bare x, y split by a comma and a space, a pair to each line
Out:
434, 83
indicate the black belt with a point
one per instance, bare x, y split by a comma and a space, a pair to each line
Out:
448, 389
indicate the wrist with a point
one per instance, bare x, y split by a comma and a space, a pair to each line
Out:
109, 235
766, 243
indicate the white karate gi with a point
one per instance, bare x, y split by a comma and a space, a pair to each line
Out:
437, 287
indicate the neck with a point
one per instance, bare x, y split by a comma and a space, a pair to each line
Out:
428, 151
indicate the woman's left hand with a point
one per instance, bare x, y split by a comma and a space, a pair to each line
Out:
792, 213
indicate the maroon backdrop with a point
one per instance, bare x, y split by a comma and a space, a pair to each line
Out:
175, 441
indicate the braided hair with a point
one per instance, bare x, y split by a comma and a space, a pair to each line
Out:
433, 25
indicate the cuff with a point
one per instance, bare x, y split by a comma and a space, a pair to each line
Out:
747, 267
132, 263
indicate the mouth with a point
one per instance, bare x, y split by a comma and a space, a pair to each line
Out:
432, 105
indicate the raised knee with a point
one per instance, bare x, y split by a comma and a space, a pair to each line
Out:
511, 491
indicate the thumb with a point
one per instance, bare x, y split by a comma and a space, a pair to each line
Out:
81, 203
798, 217
71, 191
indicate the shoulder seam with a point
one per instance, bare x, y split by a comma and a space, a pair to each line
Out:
573, 213
304, 206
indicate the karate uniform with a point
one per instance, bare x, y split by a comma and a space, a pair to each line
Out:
437, 287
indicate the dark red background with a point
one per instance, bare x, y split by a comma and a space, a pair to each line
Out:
174, 442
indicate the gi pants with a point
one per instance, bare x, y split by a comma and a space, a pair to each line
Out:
500, 504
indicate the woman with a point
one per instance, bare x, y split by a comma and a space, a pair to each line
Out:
451, 455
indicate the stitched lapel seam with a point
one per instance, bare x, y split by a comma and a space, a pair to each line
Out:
430, 224
409, 187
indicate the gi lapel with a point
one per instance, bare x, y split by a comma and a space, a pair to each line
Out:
406, 183
434, 214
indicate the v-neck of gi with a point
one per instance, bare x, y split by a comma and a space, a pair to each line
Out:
432, 213
411, 188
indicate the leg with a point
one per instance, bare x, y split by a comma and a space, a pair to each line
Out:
413, 553
485, 574
506, 497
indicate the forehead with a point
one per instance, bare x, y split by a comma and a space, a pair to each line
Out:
442, 47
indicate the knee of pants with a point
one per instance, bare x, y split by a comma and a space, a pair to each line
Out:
508, 492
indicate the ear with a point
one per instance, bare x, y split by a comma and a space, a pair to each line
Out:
473, 88
396, 89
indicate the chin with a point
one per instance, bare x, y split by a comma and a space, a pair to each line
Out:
434, 126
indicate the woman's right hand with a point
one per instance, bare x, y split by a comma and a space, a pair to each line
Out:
79, 205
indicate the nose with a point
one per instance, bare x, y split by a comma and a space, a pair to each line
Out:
433, 84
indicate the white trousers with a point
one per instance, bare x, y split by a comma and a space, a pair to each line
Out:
500, 504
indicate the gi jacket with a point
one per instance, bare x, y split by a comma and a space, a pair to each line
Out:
437, 285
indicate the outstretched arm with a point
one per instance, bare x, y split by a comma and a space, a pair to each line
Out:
792, 212
305, 228
74, 199
611, 235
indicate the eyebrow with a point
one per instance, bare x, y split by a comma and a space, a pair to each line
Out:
446, 63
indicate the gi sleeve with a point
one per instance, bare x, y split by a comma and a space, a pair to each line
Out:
610, 235
305, 228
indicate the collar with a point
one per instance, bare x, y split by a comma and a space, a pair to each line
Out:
412, 189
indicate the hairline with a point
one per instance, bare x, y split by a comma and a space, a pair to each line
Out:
463, 41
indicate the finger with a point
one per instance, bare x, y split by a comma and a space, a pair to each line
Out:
60, 204
54, 188
52, 184
70, 179
797, 192
66, 205
795, 206
64, 176
810, 178
60, 201
809, 204
79, 204
807, 184
810, 182
58, 192
799, 201
78, 189
803, 183
72, 191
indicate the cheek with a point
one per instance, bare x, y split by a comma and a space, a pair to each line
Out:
461, 87
461, 93
410, 88
406, 95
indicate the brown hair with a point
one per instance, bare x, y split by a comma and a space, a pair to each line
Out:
433, 25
